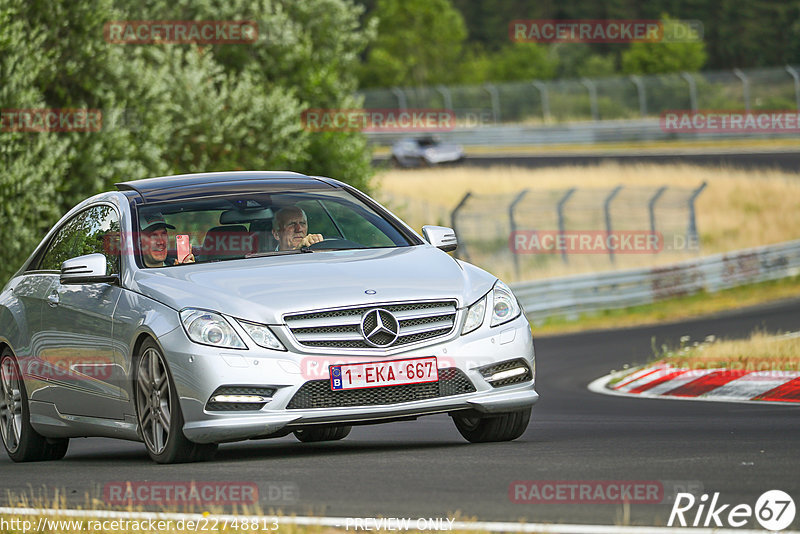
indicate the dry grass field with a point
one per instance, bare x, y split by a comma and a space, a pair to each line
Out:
761, 352
738, 209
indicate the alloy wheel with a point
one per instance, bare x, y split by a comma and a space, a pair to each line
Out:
153, 400
10, 405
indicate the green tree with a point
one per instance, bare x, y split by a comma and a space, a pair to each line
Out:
664, 57
419, 42
169, 109
30, 162
521, 61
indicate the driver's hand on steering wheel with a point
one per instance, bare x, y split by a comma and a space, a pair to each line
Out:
309, 240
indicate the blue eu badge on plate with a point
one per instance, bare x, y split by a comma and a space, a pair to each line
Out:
336, 377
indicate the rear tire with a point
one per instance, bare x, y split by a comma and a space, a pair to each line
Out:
158, 411
21, 441
331, 433
481, 428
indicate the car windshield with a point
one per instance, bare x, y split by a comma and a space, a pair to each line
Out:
262, 224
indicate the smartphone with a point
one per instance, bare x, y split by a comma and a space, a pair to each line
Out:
184, 247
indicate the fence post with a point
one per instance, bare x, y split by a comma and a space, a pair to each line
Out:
513, 225
651, 207
495, 98
401, 97
542, 88
691, 234
446, 95
589, 84
745, 88
607, 212
793, 73
692, 89
560, 212
637, 81
462, 247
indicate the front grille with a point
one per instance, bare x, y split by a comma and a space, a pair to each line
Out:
318, 393
238, 406
487, 372
417, 321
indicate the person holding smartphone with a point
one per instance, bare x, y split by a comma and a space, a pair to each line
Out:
154, 241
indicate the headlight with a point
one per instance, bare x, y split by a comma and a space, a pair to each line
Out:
209, 328
475, 315
262, 335
504, 304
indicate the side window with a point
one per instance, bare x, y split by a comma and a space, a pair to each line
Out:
93, 230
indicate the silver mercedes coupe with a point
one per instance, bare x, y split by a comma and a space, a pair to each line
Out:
187, 311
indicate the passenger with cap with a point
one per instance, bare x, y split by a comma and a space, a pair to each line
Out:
155, 241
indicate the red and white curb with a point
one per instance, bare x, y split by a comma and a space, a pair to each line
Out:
728, 385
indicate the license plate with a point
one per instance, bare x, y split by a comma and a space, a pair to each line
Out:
382, 374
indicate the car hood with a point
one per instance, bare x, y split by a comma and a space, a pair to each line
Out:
264, 289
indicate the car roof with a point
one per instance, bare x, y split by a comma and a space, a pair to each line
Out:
166, 188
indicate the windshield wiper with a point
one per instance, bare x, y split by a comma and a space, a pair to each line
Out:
338, 248
278, 252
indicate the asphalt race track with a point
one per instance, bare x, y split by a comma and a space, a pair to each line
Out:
784, 160
424, 469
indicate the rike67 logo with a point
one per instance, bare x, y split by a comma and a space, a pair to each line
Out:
774, 510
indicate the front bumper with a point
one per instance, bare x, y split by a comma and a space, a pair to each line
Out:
198, 371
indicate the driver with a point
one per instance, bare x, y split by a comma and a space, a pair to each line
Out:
290, 229
155, 241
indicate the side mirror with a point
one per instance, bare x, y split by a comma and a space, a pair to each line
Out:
440, 237
88, 269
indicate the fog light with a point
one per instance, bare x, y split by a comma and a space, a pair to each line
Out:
240, 398
507, 373
511, 373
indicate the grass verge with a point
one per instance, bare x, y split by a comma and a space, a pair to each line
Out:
760, 352
675, 309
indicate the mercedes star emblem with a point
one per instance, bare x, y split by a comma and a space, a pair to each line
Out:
379, 327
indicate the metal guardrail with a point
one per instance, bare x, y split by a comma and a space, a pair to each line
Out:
612, 109
599, 99
575, 133
573, 295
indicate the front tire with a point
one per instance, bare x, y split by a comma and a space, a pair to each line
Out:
331, 433
480, 428
21, 441
158, 411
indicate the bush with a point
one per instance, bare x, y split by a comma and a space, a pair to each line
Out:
169, 109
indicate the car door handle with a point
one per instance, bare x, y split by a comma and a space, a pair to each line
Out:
52, 299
